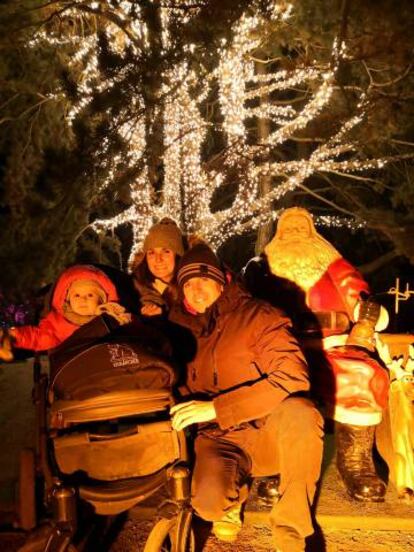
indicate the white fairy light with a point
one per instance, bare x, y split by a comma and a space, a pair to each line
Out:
189, 183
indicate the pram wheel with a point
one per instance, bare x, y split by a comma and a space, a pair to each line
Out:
41, 539
27, 490
164, 536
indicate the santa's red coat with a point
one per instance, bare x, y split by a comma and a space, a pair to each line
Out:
338, 289
359, 391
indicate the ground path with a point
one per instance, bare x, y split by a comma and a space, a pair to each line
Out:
346, 526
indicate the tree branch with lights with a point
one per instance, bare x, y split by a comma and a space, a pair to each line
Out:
214, 116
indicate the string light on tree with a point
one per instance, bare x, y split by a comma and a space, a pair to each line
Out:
189, 180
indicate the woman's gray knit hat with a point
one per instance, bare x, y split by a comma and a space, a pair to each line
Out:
165, 234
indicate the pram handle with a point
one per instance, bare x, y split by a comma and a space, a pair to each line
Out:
37, 368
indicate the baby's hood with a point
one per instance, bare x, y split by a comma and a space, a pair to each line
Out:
81, 272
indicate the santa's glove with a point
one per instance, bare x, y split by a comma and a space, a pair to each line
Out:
6, 350
115, 310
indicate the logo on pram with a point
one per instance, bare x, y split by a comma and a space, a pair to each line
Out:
122, 355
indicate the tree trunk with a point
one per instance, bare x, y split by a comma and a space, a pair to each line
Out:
264, 232
154, 113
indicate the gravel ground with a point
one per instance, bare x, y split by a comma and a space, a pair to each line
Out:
252, 539
258, 539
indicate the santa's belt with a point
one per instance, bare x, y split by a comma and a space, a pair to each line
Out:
309, 323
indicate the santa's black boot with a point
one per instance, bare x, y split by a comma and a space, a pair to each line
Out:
354, 460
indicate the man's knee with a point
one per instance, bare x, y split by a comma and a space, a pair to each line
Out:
299, 414
215, 477
209, 501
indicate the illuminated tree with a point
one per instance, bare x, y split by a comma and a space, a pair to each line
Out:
174, 176
215, 113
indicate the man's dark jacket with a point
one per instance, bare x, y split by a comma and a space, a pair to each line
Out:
247, 361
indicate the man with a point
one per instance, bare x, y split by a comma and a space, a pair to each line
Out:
305, 275
246, 384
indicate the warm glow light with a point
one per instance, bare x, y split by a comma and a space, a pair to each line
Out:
243, 95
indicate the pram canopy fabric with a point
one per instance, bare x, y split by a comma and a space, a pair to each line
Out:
111, 389
101, 358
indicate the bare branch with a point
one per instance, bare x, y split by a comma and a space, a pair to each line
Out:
378, 263
25, 112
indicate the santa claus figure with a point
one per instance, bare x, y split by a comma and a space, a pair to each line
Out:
303, 274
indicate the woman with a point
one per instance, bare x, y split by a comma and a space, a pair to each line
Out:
154, 269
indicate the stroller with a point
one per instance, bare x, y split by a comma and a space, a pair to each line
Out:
104, 439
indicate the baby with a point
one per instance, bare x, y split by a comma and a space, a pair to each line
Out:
81, 293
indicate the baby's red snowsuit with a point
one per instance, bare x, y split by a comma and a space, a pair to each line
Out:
54, 327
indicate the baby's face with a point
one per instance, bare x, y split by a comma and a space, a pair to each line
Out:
84, 299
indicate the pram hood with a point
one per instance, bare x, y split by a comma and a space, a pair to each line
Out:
102, 357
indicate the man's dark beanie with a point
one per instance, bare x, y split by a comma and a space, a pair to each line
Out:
199, 262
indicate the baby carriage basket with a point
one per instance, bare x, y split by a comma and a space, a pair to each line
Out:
105, 441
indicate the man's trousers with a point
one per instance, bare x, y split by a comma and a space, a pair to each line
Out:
289, 443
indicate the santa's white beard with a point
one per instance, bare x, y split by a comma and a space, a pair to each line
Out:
303, 262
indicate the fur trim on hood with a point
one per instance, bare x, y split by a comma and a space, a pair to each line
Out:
81, 272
